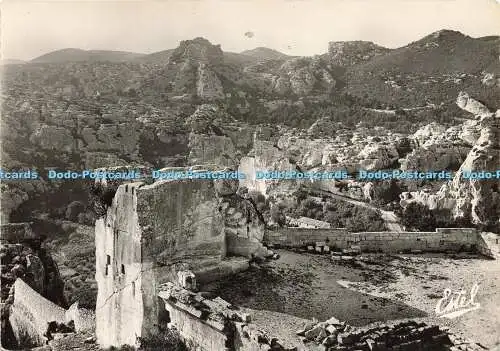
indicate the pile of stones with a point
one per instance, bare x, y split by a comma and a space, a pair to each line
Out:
405, 336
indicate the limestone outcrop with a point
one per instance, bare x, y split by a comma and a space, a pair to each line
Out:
347, 53
437, 148
192, 70
480, 198
208, 85
301, 76
215, 138
465, 102
471, 199
377, 156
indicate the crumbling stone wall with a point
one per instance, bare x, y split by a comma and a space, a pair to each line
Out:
149, 231
405, 335
443, 239
148, 234
30, 314
208, 324
83, 319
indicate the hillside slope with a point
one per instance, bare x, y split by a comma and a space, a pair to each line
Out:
78, 55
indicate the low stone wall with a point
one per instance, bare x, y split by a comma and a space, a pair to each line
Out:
30, 314
208, 324
443, 239
299, 237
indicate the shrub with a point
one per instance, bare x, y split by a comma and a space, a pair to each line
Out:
167, 340
418, 217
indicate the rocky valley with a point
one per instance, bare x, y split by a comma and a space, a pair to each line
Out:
138, 250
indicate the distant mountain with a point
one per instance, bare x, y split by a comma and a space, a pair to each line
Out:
444, 51
160, 57
78, 55
262, 53
433, 69
348, 53
11, 62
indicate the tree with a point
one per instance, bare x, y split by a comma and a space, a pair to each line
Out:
419, 217
277, 214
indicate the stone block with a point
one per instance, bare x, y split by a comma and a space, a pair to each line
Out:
314, 332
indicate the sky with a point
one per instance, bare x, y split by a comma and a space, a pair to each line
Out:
297, 27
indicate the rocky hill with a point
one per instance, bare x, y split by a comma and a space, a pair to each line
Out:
433, 69
11, 62
348, 53
263, 53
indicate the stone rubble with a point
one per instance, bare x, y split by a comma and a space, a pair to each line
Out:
405, 335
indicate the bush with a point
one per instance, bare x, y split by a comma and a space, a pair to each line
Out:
341, 214
416, 216
386, 191
167, 340
278, 215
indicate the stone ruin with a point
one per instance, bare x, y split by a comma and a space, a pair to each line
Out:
399, 335
155, 242
33, 305
208, 323
184, 230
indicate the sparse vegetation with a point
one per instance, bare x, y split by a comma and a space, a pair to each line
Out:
340, 214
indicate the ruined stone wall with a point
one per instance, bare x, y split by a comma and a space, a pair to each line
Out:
181, 222
147, 235
298, 237
209, 324
30, 314
119, 306
204, 335
443, 239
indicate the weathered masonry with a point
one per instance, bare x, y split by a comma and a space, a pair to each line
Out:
442, 240
153, 234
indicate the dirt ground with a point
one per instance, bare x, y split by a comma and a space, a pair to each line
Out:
367, 289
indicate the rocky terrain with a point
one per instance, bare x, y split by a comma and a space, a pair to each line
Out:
24, 257
431, 105
474, 199
112, 108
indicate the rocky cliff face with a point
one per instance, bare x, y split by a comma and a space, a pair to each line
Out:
438, 148
465, 102
477, 200
302, 76
216, 138
347, 53
480, 198
192, 69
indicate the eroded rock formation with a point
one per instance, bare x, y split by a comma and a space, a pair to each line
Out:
346, 53
475, 199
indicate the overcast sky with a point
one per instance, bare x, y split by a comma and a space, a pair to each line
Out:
299, 27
